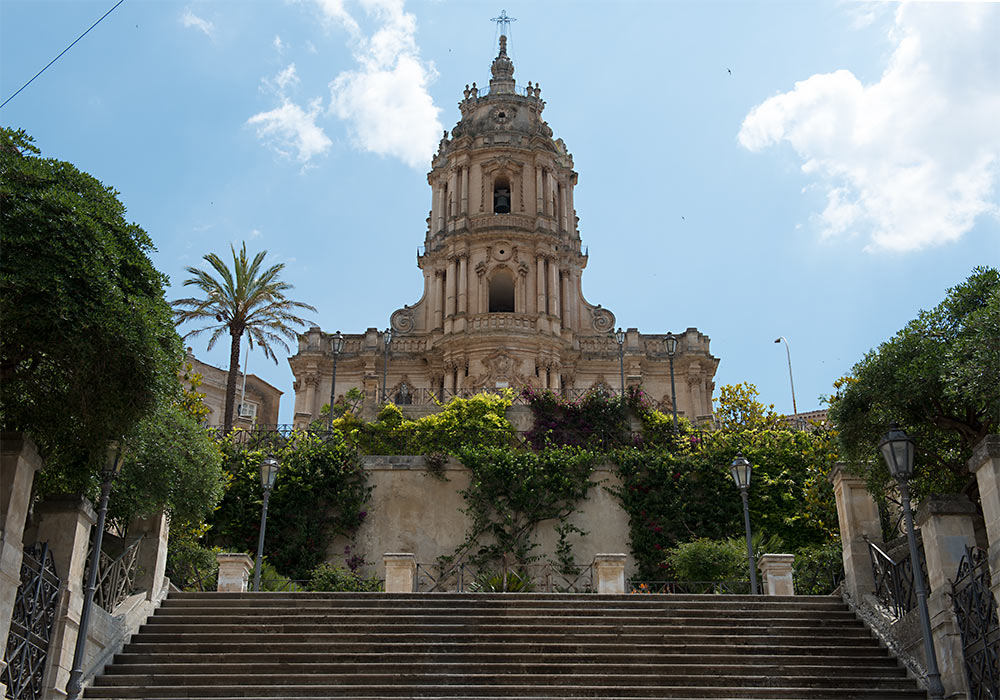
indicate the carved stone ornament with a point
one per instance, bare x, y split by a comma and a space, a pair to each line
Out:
402, 320
604, 320
500, 251
503, 114
480, 268
500, 368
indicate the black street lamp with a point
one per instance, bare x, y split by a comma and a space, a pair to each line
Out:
620, 338
387, 340
336, 345
671, 344
268, 475
741, 475
788, 352
109, 471
897, 451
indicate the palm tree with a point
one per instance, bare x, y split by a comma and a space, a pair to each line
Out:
245, 299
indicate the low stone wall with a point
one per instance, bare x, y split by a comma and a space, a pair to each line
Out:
412, 510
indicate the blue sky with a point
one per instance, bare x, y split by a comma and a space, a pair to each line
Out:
816, 170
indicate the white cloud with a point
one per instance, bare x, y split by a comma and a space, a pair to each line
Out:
291, 128
279, 45
385, 100
912, 160
190, 19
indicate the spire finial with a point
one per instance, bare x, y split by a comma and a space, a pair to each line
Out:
503, 21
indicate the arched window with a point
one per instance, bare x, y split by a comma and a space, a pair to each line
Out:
502, 292
501, 195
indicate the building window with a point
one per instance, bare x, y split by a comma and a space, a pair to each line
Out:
502, 292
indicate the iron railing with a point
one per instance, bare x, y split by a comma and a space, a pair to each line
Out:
894, 579
976, 611
636, 587
31, 624
116, 575
536, 577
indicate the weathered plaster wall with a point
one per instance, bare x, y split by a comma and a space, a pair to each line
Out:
413, 511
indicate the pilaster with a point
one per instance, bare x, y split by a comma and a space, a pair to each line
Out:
151, 560
234, 572
400, 572
858, 518
777, 573
985, 464
609, 573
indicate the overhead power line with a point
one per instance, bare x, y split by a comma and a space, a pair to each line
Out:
60, 54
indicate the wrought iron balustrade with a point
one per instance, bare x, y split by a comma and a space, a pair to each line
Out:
894, 579
976, 611
116, 575
536, 577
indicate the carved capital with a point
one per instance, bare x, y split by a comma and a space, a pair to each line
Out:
481, 269
522, 270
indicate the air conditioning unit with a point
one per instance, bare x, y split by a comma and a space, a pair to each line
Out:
247, 410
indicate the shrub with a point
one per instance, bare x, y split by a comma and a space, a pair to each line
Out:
708, 560
328, 577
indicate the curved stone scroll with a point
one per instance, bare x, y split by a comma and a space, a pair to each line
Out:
402, 320
604, 320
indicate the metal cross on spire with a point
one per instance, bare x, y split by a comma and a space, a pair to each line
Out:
503, 21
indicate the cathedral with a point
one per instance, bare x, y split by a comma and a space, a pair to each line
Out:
502, 303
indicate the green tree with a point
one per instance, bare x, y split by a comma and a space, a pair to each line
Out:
939, 378
87, 343
247, 299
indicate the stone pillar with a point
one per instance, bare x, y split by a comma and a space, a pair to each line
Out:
234, 572
463, 283
609, 573
985, 464
563, 211
540, 283
564, 286
400, 572
19, 461
777, 572
465, 189
438, 212
554, 289
65, 522
539, 191
858, 517
947, 528
451, 279
438, 301
152, 557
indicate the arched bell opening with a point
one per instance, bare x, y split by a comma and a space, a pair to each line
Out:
502, 292
501, 195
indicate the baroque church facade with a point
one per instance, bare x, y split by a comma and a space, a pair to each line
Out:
502, 303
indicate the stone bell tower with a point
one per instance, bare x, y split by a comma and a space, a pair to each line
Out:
502, 303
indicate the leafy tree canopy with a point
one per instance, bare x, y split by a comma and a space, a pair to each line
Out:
87, 344
939, 378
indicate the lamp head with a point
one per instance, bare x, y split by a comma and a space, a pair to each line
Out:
897, 451
337, 343
741, 469
671, 344
387, 336
620, 336
269, 473
113, 461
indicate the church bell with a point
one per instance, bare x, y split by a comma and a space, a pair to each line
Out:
501, 201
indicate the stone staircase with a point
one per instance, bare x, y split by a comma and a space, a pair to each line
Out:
377, 645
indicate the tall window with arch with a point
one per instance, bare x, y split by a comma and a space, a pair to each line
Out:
502, 292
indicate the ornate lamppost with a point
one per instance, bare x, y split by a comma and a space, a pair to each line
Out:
741, 475
268, 475
671, 344
387, 340
109, 471
336, 345
620, 338
791, 381
897, 451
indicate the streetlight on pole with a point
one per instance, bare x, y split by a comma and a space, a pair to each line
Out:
741, 475
620, 338
791, 381
671, 344
387, 340
109, 471
336, 345
897, 451
268, 474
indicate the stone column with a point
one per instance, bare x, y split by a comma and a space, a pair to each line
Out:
449, 379
463, 283
465, 189
400, 572
550, 195
152, 557
19, 461
609, 573
451, 280
777, 572
65, 522
985, 464
947, 527
311, 382
438, 211
539, 190
564, 286
438, 300
540, 283
563, 215
554, 289
234, 572
858, 517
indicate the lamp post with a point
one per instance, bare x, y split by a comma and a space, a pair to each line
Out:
671, 344
268, 474
336, 345
741, 475
897, 451
791, 381
109, 471
620, 338
387, 340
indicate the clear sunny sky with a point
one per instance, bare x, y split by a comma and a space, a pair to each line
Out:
815, 170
